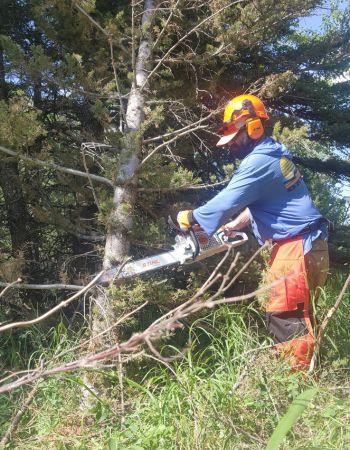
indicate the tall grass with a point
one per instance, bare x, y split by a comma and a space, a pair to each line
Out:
229, 391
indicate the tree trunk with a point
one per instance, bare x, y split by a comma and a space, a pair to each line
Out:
120, 221
11, 186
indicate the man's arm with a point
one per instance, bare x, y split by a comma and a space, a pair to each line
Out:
245, 188
238, 223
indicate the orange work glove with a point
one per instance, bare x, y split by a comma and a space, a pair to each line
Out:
185, 219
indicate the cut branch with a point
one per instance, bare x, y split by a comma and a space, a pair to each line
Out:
169, 321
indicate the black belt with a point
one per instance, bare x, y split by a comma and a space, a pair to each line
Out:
314, 226
308, 229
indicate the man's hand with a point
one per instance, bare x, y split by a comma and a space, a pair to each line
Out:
240, 222
229, 229
185, 219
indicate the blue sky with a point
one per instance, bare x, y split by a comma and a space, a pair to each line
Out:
314, 21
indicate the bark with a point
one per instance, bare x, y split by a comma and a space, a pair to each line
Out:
10, 184
120, 221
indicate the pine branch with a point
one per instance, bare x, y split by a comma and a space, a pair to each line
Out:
185, 36
331, 166
51, 165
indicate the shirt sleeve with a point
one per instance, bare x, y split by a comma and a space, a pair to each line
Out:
245, 188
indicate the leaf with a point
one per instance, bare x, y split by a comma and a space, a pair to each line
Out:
295, 410
140, 387
112, 444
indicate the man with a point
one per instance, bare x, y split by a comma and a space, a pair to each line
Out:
269, 194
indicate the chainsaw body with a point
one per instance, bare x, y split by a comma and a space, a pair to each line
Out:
188, 248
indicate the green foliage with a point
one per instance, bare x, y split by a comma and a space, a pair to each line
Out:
325, 190
19, 124
224, 393
292, 138
158, 174
293, 413
58, 90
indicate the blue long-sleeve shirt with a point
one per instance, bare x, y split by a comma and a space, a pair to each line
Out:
270, 185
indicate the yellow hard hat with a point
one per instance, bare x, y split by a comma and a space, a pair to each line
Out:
244, 110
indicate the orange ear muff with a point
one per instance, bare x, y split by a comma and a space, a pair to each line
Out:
255, 128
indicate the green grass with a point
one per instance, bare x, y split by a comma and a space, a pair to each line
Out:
196, 402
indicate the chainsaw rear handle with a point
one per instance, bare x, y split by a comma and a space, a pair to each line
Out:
233, 241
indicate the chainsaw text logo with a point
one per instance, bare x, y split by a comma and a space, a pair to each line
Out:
151, 263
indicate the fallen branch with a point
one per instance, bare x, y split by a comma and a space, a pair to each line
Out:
17, 418
61, 305
325, 322
157, 329
41, 287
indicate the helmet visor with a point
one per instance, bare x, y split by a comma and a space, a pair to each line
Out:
229, 131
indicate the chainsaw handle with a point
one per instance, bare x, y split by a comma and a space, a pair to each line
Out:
233, 242
195, 242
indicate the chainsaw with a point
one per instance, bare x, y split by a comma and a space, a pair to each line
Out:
192, 246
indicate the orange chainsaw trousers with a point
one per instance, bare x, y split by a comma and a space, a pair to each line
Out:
288, 309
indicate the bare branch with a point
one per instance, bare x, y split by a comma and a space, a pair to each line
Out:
61, 305
17, 418
107, 330
9, 285
325, 322
164, 144
89, 177
189, 187
190, 127
245, 266
132, 344
51, 165
169, 321
185, 36
92, 20
43, 287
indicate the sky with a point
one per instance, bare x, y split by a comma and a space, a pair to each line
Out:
314, 21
